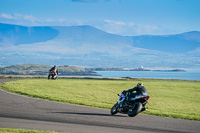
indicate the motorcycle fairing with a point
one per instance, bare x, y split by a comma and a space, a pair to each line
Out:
139, 97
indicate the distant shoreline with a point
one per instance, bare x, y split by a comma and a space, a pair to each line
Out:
86, 77
133, 69
173, 70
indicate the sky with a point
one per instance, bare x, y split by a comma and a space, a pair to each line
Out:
122, 17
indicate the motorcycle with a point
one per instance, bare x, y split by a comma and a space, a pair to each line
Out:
52, 75
134, 107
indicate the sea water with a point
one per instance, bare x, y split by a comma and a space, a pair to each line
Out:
188, 75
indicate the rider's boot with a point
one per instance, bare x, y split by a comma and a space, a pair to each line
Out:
144, 108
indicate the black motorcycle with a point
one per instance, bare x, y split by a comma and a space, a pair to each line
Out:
52, 75
134, 107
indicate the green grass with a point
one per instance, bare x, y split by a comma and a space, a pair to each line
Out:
177, 99
11, 130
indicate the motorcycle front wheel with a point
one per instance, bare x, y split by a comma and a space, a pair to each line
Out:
114, 109
137, 109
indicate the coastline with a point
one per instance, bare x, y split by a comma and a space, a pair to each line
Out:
87, 77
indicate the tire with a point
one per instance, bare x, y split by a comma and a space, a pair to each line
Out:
114, 109
136, 110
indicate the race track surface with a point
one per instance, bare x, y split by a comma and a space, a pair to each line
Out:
30, 113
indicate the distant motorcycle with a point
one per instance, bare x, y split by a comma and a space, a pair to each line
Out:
52, 75
135, 106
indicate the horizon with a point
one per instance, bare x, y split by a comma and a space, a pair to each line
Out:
100, 29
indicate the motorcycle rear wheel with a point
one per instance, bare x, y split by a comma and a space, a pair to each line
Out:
137, 109
114, 109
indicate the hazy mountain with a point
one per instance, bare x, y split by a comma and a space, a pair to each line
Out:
179, 43
34, 69
17, 35
88, 46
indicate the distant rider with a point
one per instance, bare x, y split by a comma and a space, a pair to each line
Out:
55, 71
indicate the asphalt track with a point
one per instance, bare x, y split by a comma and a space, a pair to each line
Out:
30, 113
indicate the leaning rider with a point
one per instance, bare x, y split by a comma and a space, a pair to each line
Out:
140, 90
55, 70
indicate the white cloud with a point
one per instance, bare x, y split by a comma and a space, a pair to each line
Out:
117, 23
19, 19
128, 28
111, 26
6, 16
148, 29
16, 16
30, 20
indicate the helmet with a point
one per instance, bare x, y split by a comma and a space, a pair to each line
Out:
139, 84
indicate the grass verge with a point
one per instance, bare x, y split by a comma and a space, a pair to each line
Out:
176, 99
12, 130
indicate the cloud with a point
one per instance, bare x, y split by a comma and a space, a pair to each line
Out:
16, 16
117, 23
128, 28
30, 20
148, 29
6, 16
108, 25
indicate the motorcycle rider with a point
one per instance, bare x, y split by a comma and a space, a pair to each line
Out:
55, 70
140, 90
132, 103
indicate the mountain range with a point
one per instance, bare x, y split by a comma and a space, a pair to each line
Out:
91, 47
